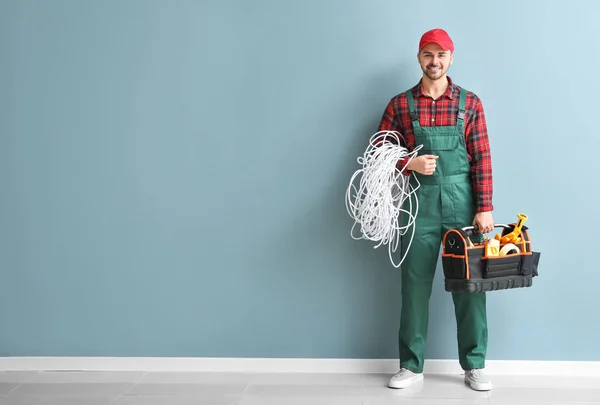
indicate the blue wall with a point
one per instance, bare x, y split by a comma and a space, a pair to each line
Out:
173, 174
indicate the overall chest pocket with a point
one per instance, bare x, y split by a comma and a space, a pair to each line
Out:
437, 142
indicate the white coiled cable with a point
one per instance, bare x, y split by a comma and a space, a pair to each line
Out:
377, 203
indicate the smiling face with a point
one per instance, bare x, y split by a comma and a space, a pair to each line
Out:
434, 61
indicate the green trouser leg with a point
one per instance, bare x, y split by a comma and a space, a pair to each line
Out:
471, 320
441, 207
469, 308
418, 271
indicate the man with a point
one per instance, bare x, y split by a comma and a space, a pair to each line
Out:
455, 175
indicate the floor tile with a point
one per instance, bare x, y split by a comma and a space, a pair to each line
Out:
351, 379
177, 400
57, 400
72, 389
197, 378
508, 395
378, 379
180, 388
87, 377
581, 395
580, 403
545, 381
304, 390
17, 376
6, 388
526, 401
300, 400
186, 389
423, 401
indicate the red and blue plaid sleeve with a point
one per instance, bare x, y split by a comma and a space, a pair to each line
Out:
391, 121
481, 161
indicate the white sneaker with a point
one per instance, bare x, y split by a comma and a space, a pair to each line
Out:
404, 379
477, 380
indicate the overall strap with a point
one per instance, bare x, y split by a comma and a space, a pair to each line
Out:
462, 105
414, 117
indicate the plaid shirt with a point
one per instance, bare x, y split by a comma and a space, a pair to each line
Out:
396, 117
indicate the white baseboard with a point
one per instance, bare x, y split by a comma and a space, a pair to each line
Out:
281, 365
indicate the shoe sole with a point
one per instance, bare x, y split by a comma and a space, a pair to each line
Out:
406, 383
478, 386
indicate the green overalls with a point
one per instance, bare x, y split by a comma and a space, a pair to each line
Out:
445, 201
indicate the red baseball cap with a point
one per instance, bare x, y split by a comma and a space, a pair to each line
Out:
437, 36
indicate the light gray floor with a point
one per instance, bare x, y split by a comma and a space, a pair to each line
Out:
161, 388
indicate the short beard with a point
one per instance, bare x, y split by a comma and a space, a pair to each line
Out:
434, 78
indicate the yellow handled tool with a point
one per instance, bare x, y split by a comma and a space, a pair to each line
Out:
515, 235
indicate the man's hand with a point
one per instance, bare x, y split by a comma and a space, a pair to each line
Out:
484, 222
424, 164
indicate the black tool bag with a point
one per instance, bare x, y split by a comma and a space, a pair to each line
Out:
468, 269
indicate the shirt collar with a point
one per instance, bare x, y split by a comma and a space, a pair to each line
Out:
449, 93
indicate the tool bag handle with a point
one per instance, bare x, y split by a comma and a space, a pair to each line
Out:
470, 230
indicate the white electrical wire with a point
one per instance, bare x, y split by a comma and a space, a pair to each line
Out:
378, 202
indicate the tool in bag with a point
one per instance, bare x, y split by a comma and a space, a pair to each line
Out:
504, 262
